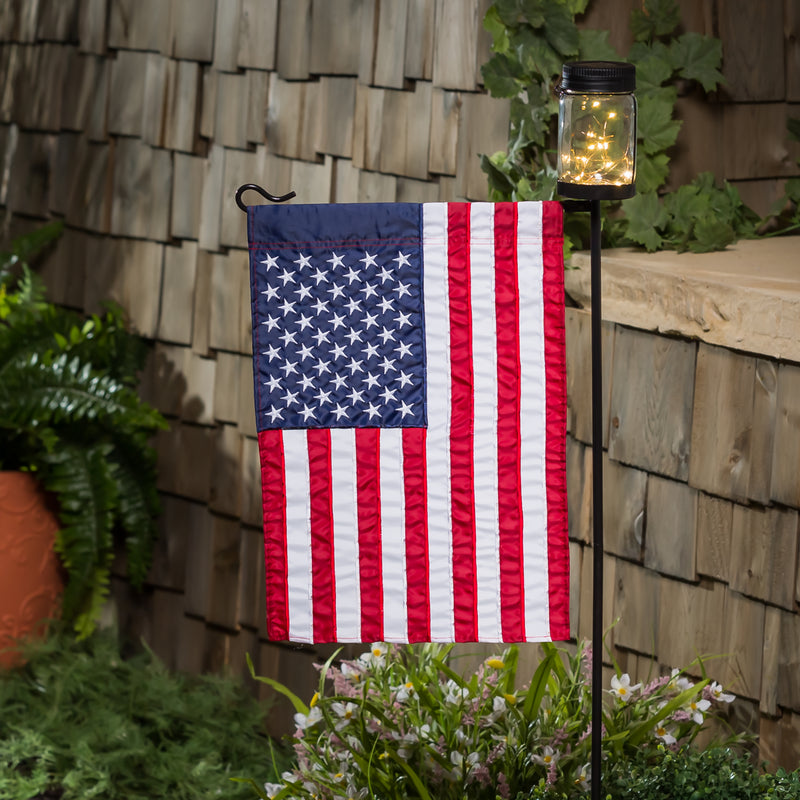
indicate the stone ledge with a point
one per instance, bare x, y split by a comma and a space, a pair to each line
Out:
746, 297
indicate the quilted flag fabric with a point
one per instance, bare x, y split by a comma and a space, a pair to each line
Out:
409, 382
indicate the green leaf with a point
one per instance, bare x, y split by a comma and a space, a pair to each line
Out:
656, 18
560, 30
536, 57
645, 214
422, 792
697, 57
594, 46
577, 6
651, 172
299, 706
533, 698
450, 673
657, 130
501, 76
711, 233
495, 26
499, 181
25, 247
653, 70
534, 12
507, 11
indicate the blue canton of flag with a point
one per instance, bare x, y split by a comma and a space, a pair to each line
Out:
339, 326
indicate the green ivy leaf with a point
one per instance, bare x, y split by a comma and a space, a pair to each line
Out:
594, 46
698, 58
645, 214
651, 171
495, 26
501, 76
577, 6
508, 11
657, 130
498, 180
560, 30
792, 189
533, 10
656, 18
711, 233
536, 56
653, 69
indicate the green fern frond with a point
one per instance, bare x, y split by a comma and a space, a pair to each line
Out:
67, 389
138, 506
85, 483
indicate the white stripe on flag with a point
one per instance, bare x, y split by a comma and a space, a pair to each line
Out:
298, 536
484, 358
393, 536
437, 338
345, 534
533, 423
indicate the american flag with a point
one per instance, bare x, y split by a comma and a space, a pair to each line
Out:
409, 382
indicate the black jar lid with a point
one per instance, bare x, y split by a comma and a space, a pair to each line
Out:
598, 76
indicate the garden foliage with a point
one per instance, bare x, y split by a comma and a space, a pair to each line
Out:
79, 721
531, 39
401, 722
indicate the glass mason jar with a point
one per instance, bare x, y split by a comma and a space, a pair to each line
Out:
597, 131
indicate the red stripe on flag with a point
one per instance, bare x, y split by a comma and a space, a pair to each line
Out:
369, 533
273, 497
556, 399
418, 602
322, 563
461, 425
509, 509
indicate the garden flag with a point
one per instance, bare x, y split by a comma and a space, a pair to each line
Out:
410, 395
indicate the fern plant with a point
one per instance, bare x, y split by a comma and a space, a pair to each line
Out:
70, 413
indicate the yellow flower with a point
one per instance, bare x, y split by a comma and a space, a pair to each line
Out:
510, 699
314, 700
495, 663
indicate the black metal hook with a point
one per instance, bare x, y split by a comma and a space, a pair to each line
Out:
263, 192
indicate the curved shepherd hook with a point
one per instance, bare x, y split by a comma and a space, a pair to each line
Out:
263, 192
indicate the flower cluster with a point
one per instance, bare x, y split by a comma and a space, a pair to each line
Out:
401, 722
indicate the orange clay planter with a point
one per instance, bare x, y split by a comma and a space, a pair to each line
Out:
30, 573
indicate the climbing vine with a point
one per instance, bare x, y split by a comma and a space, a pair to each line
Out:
531, 39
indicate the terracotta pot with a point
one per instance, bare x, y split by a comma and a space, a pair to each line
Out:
31, 578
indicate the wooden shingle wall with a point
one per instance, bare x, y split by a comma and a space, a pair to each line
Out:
701, 496
135, 121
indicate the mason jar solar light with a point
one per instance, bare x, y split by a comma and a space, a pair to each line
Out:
597, 131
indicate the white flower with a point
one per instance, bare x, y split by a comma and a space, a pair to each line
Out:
272, 789
462, 765
696, 709
665, 734
583, 777
376, 656
717, 692
679, 682
352, 673
499, 708
404, 691
345, 712
306, 721
547, 757
621, 687
455, 693
410, 738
